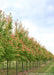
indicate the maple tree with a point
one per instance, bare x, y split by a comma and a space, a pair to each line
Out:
18, 45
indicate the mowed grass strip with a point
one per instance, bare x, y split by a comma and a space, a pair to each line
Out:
51, 70
43, 68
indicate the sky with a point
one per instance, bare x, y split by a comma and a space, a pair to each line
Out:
36, 15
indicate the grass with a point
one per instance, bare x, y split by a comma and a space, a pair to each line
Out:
12, 69
43, 69
51, 70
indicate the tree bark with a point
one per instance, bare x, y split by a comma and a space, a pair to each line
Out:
30, 64
7, 67
26, 66
16, 67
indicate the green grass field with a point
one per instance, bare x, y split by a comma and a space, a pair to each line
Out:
52, 69
47, 69
43, 68
12, 69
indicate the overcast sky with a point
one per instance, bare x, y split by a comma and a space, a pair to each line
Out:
36, 15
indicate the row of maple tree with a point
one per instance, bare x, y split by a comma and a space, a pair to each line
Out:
15, 43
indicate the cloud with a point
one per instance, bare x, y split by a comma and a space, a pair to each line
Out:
28, 25
50, 8
41, 34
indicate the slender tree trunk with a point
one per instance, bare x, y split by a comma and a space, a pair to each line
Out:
9, 64
37, 63
3, 65
7, 67
26, 66
30, 64
16, 67
22, 68
33, 64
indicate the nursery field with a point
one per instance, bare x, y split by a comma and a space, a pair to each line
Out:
29, 69
20, 53
20, 67
47, 69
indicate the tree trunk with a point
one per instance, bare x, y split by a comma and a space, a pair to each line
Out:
22, 68
7, 67
3, 65
16, 67
26, 66
30, 64
9, 64
37, 63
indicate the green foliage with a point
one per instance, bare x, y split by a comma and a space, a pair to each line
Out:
18, 45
